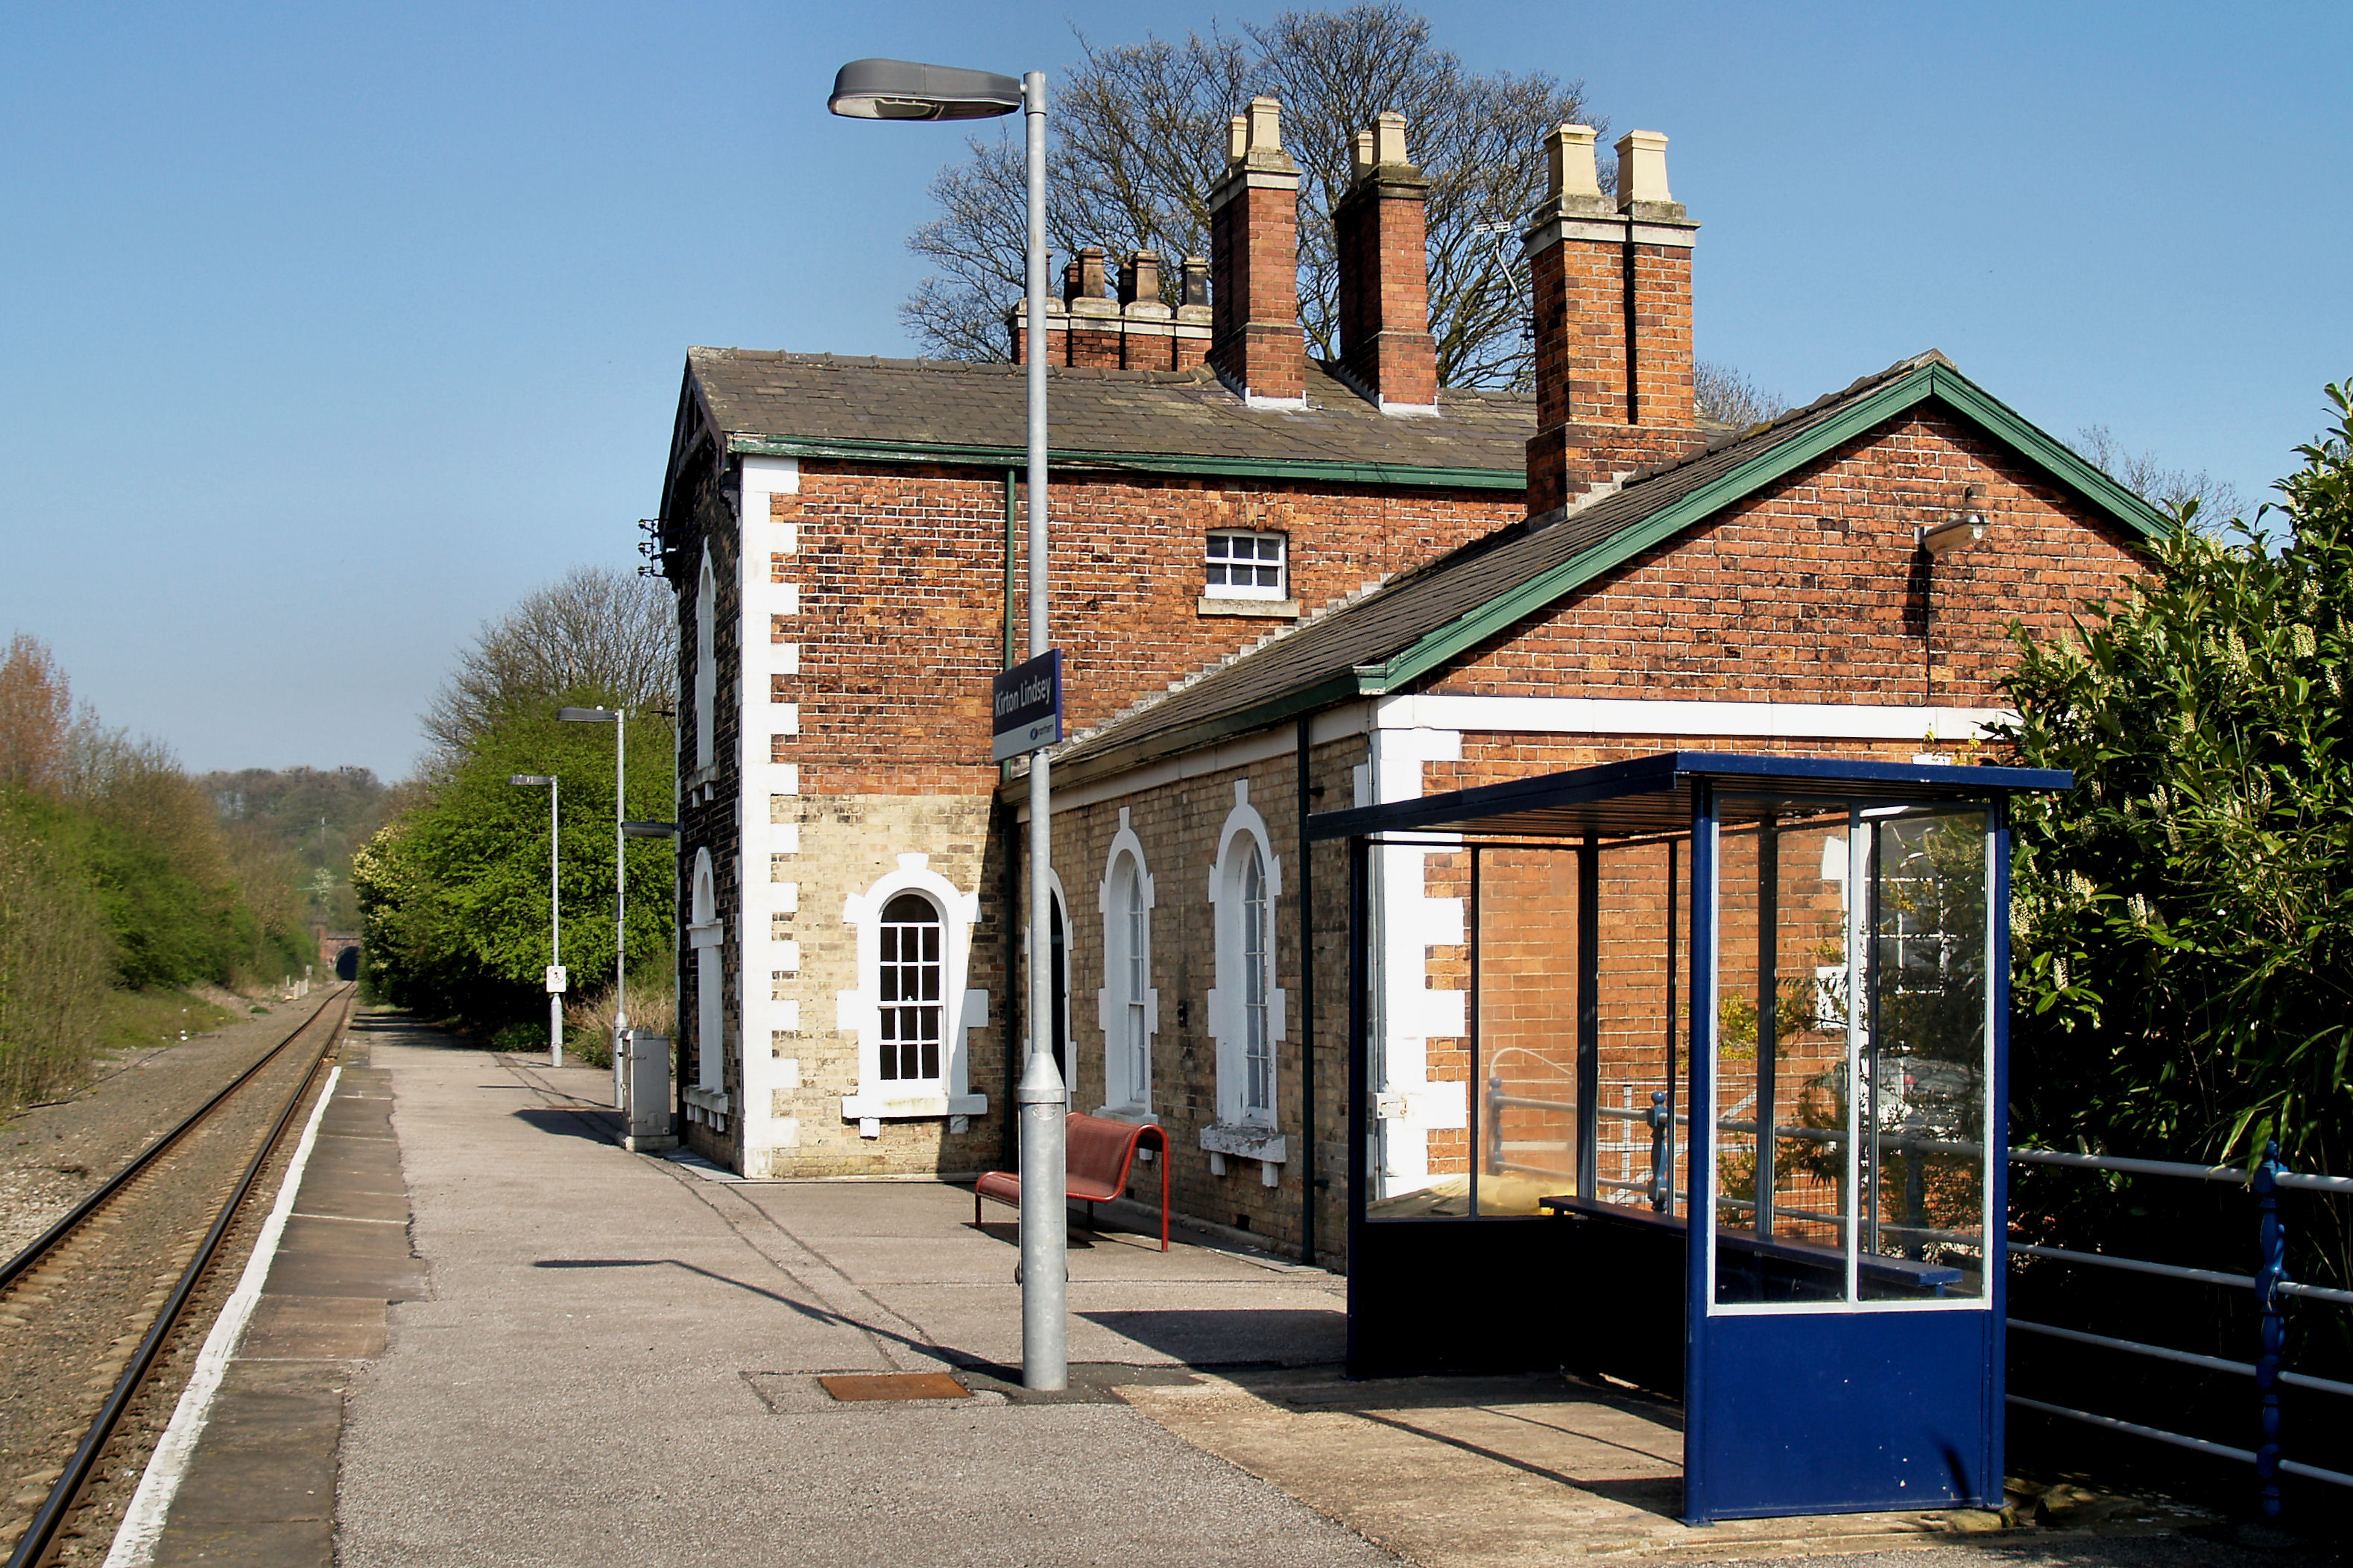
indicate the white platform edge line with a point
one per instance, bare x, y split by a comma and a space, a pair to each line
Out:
143, 1522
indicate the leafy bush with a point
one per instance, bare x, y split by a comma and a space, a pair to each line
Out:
2183, 919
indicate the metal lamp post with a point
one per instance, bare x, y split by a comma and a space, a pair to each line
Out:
899, 89
619, 719
555, 916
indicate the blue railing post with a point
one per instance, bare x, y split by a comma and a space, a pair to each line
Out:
1658, 1119
2271, 1243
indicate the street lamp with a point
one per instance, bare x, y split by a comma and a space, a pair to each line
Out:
901, 89
619, 719
555, 917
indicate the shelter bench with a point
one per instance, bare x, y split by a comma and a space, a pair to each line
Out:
1096, 1155
1906, 1274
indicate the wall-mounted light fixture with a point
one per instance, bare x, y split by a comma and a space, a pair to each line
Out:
1964, 527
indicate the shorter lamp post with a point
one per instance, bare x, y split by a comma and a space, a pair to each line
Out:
619, 719
555, 916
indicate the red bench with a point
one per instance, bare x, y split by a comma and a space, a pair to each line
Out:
1096, 1154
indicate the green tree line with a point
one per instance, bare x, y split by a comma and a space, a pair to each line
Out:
117, 877
453, 891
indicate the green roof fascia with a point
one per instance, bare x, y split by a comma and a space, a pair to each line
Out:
1202, 732
859, 451
1936, 382
2060, 461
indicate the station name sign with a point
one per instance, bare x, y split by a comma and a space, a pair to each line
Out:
1025, 704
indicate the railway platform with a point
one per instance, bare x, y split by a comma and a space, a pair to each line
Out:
570, 1354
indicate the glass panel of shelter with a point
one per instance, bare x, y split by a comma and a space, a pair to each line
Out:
1852, 1055
1572, 1095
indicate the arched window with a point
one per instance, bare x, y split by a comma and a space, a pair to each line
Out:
908, 988
706, 661
1134, 981
1246, 1008
1258, 965
703, 931
1127, 1007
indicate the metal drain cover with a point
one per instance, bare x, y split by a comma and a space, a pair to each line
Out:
861, 1385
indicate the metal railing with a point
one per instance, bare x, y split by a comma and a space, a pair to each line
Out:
2270, 1283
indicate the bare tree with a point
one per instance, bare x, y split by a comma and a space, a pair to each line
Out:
36, 718
1730, 396
2145, 475
594, 632
1141, 138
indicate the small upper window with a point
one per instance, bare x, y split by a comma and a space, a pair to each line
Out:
1246, 566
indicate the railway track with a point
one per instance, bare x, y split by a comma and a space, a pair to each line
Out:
92, 1312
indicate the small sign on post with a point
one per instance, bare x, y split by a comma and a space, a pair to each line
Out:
1026, 705
556, 981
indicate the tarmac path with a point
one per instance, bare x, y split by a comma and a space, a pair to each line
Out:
617, 1362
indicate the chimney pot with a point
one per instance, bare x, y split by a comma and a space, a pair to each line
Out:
1363, 161
1571, 161
1139, 278
1238, 139
1193, 288
1387, 132
1266, 126
1083, 278
1641, 168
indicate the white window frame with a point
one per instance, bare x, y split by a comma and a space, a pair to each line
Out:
1213, 564
1229, 1003
703, 931
962, 1009
706, 662
1127, 1007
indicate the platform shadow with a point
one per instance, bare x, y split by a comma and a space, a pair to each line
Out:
566, 1122
1243, 1336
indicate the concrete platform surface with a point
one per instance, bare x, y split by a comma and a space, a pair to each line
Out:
612, 1358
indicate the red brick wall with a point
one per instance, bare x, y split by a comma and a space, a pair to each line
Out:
901, 576
1813, 590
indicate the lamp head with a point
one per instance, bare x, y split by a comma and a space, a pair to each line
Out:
649, 830
587, 715
531, 781
1964, 527
902, 90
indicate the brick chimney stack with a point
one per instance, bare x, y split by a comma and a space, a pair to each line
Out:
1613, 308
1255, 341
1385, 349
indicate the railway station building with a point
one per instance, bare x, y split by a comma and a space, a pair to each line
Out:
1281, 587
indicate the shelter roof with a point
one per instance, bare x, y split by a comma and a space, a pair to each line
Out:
1646, 795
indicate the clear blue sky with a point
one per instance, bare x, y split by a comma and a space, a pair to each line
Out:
329, 330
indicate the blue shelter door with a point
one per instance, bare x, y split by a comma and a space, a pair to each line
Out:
1843, 1343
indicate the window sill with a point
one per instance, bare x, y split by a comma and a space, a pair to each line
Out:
1136, 1115
1268, 609
1245, 1141
904, 1105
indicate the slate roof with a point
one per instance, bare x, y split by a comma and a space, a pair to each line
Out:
784, 402
1382, 640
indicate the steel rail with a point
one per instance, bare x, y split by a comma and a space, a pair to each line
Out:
40, 1245
41, 1533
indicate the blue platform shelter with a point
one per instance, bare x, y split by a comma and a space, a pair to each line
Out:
1732, 1085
